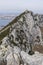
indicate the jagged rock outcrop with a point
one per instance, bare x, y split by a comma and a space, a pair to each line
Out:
25, 31
9, 55
38, 18
23, 34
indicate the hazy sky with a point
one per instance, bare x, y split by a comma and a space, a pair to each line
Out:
17, 6
20, 5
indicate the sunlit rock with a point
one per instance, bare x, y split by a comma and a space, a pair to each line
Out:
36, 59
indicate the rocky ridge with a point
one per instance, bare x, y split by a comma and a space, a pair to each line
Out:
23, 35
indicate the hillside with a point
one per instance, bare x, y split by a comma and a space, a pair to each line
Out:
5, 31
21, 41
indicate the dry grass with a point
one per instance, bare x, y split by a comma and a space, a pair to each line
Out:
41, 29
38, 48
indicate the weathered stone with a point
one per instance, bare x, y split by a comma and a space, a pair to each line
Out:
13, 60
23, 34
3, 62
36, 59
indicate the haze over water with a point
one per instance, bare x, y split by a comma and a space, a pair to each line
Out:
15, 7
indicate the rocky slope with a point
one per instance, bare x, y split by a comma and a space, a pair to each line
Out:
23, 35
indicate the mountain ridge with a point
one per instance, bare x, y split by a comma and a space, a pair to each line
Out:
21, 42
13, 21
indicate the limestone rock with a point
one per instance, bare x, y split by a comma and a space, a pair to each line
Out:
14, 57
23, 34
17, 51
36, 59
13, 60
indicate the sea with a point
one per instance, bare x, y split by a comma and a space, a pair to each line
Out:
6, 18
4, 22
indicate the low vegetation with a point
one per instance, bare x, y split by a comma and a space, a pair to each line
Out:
5, 32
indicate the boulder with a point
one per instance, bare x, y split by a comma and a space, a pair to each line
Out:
36, 59
12, 59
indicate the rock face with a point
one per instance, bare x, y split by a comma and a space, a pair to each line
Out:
36, 32
22, 36
9, 55
38, 19
25, 32
36, 59
13, 60
14, 56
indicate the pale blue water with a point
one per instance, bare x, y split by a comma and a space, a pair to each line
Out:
4, 22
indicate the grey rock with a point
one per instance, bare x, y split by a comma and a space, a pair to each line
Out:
13, 59
22, 36
3, 62
36, 59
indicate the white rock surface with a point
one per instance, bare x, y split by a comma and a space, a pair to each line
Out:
36, 32
13, 60
17, 51
36, 59
14, 57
